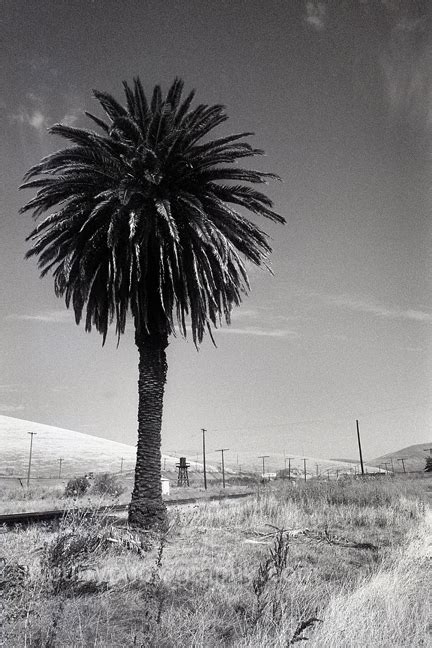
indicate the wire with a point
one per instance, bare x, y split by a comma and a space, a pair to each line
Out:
337, 421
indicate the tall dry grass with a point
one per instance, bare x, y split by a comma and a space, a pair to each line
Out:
288, 563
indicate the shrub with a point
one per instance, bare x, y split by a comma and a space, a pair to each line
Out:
76, 487
106, 484
70, 555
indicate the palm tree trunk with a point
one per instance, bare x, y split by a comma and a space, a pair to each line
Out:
147, 509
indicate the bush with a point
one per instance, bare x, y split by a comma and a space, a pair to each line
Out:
106, 484
76, 487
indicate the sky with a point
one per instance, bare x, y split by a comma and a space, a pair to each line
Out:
339, 94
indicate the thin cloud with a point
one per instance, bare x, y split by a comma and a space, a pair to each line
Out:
35, 112
244, 313
10, 388
406, 67
33, 118
53, 317
260, 332
378, 309
260, 322
70, 118
315, 15
4, 407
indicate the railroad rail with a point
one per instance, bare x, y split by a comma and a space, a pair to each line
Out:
12, 519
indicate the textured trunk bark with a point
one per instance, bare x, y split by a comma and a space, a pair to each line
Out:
147, 509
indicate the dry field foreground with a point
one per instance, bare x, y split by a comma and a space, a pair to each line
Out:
342, 564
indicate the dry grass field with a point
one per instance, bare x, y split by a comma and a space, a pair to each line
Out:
49, 495
324, 564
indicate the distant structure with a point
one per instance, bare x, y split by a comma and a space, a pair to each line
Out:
183, 476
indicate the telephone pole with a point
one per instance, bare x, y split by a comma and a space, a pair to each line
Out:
60, 463
403, 463
289, 468
360, 448
204, 457
263, 457
304, 469
30, 456
222, 450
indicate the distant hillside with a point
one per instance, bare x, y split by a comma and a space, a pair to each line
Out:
414, 457
80, 453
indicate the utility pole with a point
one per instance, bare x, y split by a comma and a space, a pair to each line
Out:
304, 469
289, 468
121, 464
360, 448
317, 469
164, 463
222, 450
403, 463
204, 457
263, 457
392, 464
30, 456
60, 463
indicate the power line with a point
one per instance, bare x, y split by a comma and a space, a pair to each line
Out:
338, 420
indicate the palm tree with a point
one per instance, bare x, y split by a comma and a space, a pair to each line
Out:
145, 216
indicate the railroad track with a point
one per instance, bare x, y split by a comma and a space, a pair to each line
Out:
12, 519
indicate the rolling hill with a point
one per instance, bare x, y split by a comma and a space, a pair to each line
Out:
83, 453
80, 453
414, 457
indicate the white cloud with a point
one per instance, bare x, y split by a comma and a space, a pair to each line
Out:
56, 317
315, 15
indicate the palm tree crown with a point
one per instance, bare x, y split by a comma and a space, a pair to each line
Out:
147, 215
